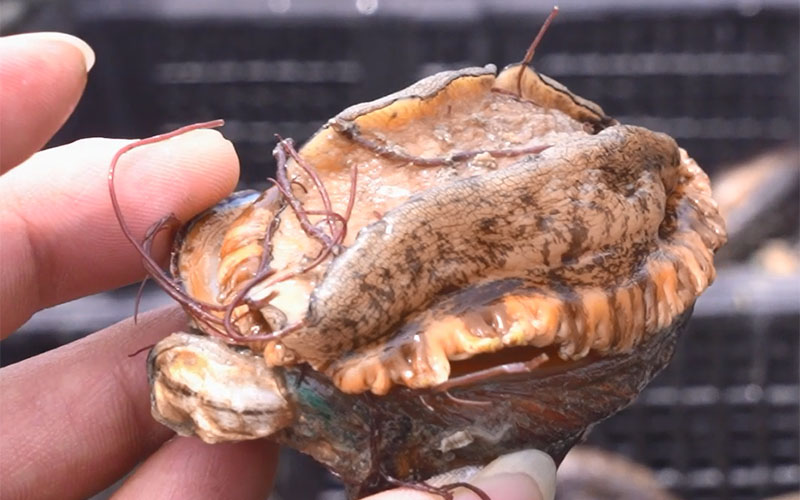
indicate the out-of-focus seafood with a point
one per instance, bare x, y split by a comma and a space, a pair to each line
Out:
758, 198
592, 474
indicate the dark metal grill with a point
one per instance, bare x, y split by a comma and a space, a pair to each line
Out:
722, 420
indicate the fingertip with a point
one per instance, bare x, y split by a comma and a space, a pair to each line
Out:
511, 486
85, 50
535, 464
403, 494
185, 175
221, 162
43, 76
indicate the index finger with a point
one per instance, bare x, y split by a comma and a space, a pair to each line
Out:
59, 227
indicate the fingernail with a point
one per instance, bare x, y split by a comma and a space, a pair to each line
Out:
535, 464
83, 47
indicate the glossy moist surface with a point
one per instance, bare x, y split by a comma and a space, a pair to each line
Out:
466, 239
464, 116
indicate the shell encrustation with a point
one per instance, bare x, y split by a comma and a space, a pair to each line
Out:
468, 214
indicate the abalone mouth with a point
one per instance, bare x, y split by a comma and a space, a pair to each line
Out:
548, 361
464, 215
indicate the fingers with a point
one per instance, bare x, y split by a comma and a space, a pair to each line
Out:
523, 475
503, 487
189, 468
59, 228
531, 473
43, 76
81, 413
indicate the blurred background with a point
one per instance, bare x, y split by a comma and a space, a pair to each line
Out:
719, 76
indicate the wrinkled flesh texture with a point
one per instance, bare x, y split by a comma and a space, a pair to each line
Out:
478, 119
604, 303
201, 248
607, 240
202, 387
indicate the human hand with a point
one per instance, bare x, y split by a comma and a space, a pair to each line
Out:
76, 419
524, 475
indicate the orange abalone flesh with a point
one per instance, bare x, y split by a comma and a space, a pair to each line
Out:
475, 265
487, 212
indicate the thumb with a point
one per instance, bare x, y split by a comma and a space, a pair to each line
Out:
522, 475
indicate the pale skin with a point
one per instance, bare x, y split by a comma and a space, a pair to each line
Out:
76, 419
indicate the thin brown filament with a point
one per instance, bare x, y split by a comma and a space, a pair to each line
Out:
288, 146
393, 153
197, 309
338, 235
147, 243
141, 350
466, 402
295, 182
138, 300
489, 373
285, 188
311, 172
471, 487
266, 245
532, 47
425, 403
213, 330
445, 491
